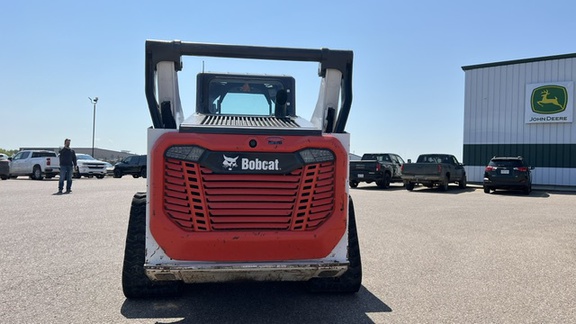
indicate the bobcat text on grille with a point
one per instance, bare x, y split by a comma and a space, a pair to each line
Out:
260, 165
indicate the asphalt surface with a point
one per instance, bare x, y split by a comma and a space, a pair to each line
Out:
460, 256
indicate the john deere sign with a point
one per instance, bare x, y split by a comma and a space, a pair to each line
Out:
549, 102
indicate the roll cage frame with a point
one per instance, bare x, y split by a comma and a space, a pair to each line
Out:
172, 51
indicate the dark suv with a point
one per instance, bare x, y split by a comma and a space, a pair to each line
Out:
134, 165
510, 173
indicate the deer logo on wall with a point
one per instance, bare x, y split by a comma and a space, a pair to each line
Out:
546, 100
549, 99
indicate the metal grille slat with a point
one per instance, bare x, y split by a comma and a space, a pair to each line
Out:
248, 121
196, 199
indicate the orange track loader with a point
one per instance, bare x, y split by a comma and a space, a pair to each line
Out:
244, 188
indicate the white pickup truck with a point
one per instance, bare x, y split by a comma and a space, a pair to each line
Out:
89, 167
36, 164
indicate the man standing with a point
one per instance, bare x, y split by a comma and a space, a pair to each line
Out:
67, 165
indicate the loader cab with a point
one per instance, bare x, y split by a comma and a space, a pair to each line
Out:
245, 95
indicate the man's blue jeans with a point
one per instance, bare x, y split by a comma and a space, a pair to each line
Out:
65, 174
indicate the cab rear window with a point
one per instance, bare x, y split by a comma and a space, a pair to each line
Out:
506, 163
43, 154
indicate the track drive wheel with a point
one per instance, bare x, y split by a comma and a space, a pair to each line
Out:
135, 283
351, 280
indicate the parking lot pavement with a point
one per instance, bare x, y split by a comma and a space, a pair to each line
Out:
459, 256
463, 256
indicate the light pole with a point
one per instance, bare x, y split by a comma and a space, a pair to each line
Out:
94, 102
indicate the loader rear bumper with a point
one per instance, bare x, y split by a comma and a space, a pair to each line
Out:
198, 273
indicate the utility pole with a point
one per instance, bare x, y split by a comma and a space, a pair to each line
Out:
94, 102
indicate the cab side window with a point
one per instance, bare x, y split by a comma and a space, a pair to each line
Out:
21, 155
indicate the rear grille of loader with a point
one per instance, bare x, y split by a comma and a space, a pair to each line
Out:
249, 121
196, 199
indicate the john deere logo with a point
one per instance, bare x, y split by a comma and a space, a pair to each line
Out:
549, 99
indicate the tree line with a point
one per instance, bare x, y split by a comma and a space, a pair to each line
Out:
8, 152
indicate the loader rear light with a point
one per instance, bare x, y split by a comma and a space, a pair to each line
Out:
316, 155
186, 152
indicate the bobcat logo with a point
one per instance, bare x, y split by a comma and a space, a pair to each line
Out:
229, 162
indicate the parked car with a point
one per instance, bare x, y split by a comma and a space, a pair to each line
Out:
134, 165
381, 168
3, 157
36, 164
109, 169
510, 173
434, 170
4, 169
89, 167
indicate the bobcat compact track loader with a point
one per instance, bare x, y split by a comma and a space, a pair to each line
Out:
244, 189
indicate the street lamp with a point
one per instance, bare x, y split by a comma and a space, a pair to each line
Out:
93, 101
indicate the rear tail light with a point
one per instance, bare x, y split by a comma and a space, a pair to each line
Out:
402, 168
316, 155
490, 168
439, 168
521, 169
47, 161
378, 165
185, 152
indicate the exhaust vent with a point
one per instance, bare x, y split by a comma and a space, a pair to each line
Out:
248, 121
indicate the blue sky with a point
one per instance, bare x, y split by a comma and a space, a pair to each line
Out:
408, 83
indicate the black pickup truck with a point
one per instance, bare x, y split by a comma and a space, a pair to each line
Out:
434, 170
381, 168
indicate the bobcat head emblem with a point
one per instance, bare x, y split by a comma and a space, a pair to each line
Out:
229, 162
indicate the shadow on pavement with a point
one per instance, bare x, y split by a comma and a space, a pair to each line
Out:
257, 302
370, 187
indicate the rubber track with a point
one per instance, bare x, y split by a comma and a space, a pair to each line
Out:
351, 280
135, 283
